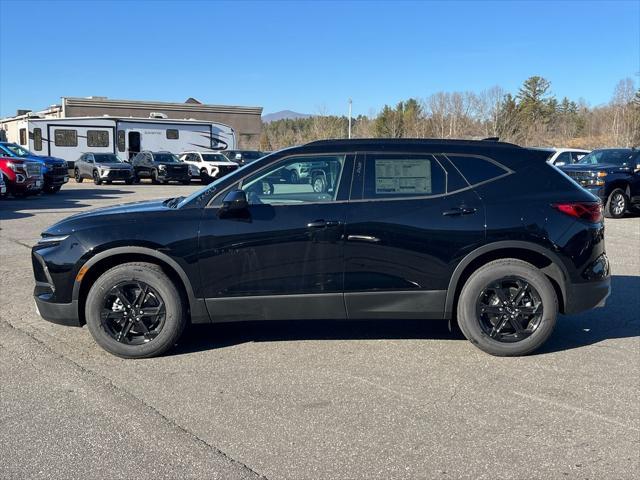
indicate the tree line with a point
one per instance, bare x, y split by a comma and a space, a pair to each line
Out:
531, 117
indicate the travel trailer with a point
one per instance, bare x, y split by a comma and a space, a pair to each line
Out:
69, 137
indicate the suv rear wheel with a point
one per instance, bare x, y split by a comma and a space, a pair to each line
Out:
76, 175
507, 308
135, 311
616, 204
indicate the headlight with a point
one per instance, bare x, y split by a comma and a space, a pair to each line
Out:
161, 167
51, 240
601, 174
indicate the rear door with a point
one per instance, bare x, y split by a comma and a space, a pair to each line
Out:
411, 219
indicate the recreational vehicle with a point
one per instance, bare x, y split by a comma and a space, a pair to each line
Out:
68, 138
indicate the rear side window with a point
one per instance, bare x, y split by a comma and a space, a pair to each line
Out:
476, 169
398, 176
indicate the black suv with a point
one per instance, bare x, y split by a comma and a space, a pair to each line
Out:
403, 229
611, 174
160, 167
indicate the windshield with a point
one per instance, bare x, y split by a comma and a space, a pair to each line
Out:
617, 157
16, 150
106, 158
165, 158
214, 157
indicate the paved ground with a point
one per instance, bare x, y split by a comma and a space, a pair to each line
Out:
323, 400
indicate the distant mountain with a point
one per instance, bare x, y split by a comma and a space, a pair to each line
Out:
272, 117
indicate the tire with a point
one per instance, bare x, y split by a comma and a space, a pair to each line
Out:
294, 178
617, 204
490, 332
154, 177
171, 322
319, 184
96, 178
204, 176
76, 175
129, 181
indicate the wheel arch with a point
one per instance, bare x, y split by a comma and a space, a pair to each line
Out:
620, 183
547, 261
107, 259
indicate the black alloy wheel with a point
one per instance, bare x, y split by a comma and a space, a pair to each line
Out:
133, 312
96, 178
509, 310
293, 177
76, 175
319, 184
616, 204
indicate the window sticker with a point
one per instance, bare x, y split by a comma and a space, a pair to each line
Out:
410, 177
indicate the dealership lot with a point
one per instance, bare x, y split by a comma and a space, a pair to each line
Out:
312, 400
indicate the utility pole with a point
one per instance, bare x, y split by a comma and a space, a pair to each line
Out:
350, 102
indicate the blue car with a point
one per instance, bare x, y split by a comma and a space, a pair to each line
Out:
611, 174
55, 170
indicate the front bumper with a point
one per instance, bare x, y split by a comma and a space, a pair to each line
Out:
60, 313
30, 185
116, 175
55, 180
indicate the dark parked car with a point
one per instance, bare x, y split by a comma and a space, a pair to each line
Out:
161, 167
243, 157
54, 170
102, 167
403, 229
611, 174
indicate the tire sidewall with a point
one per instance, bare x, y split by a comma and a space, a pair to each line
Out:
174, 317
608, 210
470, 324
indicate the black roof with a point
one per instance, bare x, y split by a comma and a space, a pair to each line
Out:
359, 142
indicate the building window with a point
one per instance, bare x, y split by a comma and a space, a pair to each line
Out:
172, 134
121, 144
23, 136
37, 139
65, 138
97, 138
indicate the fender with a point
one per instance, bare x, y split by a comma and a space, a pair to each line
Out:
556, 270
197, 306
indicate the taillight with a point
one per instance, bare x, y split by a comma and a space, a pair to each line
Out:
589, 211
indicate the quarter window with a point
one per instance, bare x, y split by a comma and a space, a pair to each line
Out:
121, 143
37, 139
97, 138
296, 180
173, 134
400, 176
65, 138
475, 169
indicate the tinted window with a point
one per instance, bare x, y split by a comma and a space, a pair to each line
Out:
121, 143
97, 138
37, 139
563, 159
475, 169
172, 134
106, 158
397, 176
577, 156
165, 158
276, 185
214, 157
65, 138
617, 157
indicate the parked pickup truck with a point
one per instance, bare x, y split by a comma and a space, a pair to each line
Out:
22, 177
54, 170
613, 175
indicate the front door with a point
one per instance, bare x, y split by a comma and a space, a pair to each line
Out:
134, 144
411, 218
282, 258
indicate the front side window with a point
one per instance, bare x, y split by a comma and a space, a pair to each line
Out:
477, 169
172, 134
621, 156
37, 139
65, 138
563, 159
403, 176
577, 156
295, 180
97, 138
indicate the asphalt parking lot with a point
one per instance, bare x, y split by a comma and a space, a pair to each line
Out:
312, 400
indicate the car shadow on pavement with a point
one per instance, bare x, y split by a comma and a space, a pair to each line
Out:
620, 318
13, 208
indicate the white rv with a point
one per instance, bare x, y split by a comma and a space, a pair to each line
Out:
68, 138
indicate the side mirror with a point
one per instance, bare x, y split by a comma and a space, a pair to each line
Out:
235, 200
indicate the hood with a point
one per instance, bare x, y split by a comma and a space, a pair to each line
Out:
173, 164
115, 165
84, 220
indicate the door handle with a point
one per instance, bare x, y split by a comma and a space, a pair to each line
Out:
323, 223
363, 238
459, 211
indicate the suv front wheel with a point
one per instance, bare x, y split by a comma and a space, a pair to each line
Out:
616, 204
507, 308
134, 310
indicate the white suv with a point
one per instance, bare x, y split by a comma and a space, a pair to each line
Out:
563, 156
211, 166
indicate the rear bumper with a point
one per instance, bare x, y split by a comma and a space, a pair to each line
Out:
60, 313
585, 296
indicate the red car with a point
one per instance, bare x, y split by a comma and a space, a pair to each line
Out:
22, 177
